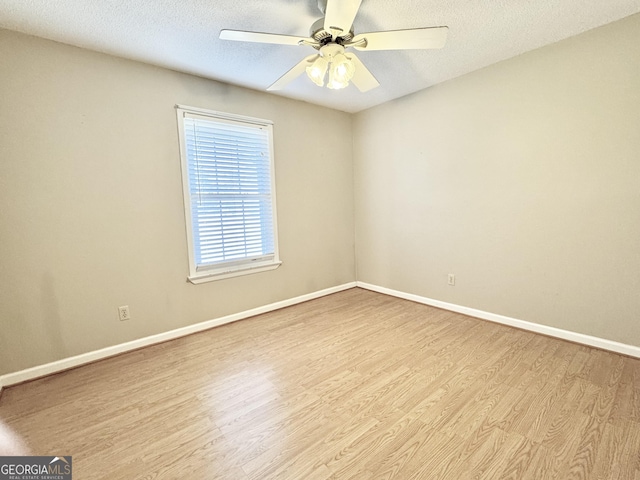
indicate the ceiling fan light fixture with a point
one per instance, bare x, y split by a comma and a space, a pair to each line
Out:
318, 70
333, 60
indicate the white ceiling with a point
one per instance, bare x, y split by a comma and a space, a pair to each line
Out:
183, 35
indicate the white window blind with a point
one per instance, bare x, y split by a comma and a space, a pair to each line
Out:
229, 192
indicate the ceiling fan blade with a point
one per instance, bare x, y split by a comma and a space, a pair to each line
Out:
257, 37
296, 71
414, 38
363, 79
340, 15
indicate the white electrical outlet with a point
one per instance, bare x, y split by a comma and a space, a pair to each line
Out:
451, 280
123, 313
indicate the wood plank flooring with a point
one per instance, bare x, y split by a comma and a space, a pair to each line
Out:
353, 385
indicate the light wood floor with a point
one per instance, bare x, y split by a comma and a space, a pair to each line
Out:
353, 385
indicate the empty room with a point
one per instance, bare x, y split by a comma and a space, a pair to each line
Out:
319, 239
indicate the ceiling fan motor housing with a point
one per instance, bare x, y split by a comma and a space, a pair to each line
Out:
322, 36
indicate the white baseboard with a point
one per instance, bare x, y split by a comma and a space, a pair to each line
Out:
82, 359
630, 350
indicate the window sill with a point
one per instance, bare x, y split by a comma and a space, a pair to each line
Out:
235, 272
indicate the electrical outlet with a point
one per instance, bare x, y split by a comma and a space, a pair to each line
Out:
123, 313
451, 279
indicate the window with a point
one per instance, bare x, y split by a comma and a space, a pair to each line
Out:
229, 195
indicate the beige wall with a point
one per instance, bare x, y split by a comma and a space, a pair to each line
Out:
91, 213
522, 179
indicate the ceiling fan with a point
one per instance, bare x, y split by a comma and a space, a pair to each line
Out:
331, 36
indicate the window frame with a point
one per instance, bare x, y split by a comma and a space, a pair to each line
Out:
231, 268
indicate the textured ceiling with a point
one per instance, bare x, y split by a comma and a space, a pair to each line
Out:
183, 35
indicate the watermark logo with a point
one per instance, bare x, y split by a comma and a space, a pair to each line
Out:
35, 468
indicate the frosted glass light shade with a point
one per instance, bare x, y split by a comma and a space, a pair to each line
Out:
340, 72
317, 70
